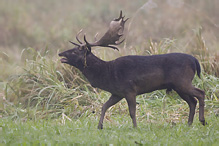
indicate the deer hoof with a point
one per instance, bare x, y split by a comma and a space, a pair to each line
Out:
204, 123
100, 127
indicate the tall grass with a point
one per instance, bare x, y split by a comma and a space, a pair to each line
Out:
210, 63
47, 88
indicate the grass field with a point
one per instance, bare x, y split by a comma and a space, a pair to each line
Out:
117, 131
45, 102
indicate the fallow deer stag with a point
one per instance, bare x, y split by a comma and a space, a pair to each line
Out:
129, 76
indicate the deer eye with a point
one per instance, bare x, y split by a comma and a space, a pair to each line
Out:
73, 52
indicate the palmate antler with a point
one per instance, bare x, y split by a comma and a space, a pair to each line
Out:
111, 37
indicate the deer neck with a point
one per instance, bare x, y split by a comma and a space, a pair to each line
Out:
95, 70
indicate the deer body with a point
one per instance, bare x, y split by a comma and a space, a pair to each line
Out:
129, 76
140, 74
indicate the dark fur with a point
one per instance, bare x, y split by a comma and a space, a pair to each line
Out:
129, 76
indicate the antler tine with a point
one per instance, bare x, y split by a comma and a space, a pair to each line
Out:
115, 48
74, 43
120, 16
87, 43
120, 42
78, 35
126, 19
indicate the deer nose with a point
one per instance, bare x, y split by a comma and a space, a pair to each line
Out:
61, 54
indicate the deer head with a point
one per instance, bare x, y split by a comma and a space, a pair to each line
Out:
110, 38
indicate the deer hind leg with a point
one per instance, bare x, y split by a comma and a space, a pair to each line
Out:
200, 95
131, 100
191, 91
113, 100
192, 105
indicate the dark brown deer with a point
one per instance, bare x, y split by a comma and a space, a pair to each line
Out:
129, 76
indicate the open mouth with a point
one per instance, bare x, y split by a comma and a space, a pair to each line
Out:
64, 60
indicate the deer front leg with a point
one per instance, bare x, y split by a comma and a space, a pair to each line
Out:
113, 100
131, 100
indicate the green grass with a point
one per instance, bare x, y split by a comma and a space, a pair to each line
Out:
118, 131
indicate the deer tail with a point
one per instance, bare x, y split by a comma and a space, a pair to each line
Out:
198, 68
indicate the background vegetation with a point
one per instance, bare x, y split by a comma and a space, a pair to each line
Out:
53, 103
